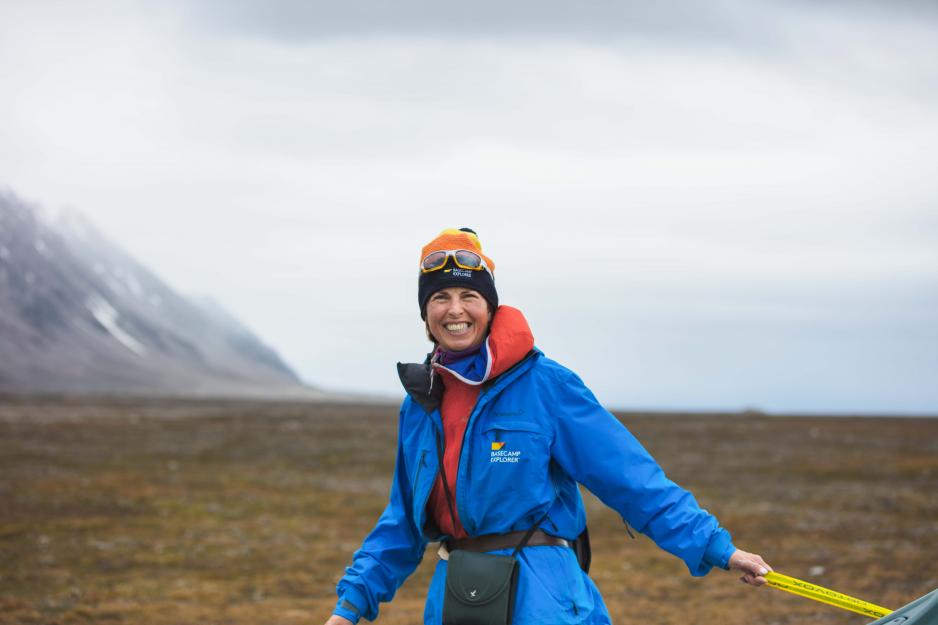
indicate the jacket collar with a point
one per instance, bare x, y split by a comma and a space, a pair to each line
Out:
417, 379
508, 344
509, 340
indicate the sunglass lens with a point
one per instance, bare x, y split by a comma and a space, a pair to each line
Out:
433, 261
469, 260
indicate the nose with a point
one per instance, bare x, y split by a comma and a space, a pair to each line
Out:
455, 308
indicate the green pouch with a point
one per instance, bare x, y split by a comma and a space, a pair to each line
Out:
480, 589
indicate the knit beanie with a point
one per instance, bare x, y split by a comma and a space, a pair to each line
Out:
481, 280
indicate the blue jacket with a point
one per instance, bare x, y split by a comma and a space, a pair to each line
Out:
552, 434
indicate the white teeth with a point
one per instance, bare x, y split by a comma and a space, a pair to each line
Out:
456, 327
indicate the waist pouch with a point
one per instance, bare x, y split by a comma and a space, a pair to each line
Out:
480, 589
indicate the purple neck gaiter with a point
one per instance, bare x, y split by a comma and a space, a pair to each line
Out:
471, 365
446, 358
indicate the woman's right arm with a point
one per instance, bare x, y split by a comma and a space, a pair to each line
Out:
599, 452
388, 555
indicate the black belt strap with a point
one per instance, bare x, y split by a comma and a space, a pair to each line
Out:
495, 542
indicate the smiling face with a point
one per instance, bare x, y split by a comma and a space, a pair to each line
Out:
458, 318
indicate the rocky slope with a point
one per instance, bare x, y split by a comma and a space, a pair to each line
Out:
78, 314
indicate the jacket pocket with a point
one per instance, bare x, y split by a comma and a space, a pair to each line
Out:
552, 589
511, 466
421, 462
513, 443
520, 426
420, 496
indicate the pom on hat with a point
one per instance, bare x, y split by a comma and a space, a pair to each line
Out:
450, 275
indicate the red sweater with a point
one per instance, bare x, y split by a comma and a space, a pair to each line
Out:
509, 341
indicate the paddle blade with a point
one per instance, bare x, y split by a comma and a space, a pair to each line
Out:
922, 611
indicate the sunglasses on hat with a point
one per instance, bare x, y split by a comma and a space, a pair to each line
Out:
464, 259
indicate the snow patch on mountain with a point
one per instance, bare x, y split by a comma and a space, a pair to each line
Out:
106, 315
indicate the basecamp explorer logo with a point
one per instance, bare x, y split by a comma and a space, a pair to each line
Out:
459, 273
500, 454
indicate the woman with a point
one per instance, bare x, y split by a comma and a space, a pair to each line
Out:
493, 438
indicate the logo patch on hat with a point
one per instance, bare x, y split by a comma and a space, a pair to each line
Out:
461, 273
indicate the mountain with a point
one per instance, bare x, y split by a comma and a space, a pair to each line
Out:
78, 314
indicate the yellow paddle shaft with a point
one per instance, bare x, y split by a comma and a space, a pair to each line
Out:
824, 595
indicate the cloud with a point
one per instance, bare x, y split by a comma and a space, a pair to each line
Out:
758, 24
686, 212
293, 20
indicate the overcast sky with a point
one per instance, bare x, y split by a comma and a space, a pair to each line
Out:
697, 205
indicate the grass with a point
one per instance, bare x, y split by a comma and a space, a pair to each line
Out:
175, 512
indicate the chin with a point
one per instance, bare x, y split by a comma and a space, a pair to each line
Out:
459, 345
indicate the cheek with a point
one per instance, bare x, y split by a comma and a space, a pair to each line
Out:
435, 313
481, 317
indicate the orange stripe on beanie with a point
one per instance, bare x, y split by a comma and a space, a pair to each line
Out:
452, 276
453, 239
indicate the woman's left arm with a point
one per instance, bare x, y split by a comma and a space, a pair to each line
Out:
600, 453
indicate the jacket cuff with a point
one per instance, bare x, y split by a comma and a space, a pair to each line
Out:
719, 549
351, 604
343, 610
